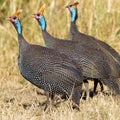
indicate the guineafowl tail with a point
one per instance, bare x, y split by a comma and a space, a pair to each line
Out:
113, 84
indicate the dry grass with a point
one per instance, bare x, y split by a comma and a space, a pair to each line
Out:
18, 98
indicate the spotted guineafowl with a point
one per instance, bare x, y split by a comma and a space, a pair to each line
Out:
47, 69
60, 45
100, 67
76, 35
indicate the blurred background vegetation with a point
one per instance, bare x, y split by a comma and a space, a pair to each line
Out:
99, 18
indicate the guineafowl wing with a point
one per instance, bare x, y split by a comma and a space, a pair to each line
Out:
49, 68
113, 83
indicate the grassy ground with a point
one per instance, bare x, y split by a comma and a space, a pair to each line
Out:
19, 100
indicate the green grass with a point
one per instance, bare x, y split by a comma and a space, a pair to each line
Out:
18, 98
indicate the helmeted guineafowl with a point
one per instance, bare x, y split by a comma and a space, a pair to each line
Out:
76, 35
100, 67
46, 68
55, 43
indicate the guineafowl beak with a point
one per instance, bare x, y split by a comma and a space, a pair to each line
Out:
35, 16
11, 19
68, 6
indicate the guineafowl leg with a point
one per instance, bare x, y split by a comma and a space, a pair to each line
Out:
52, 96
95, 85
76, 95
50, 101
64, 96
96, 81
86, 84
101, 85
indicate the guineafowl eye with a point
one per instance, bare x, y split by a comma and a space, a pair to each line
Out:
14, 17
38, 15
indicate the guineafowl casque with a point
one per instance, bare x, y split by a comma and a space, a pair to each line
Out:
76, 35
47, 69
100, 67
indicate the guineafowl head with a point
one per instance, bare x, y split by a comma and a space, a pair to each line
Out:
40, 17
73, 11
14, 19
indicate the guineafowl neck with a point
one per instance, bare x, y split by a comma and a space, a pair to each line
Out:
23, 44
49, 40
73, 30
42, 23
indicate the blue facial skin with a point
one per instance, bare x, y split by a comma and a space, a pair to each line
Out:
18, 26
42, 23
73, 12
